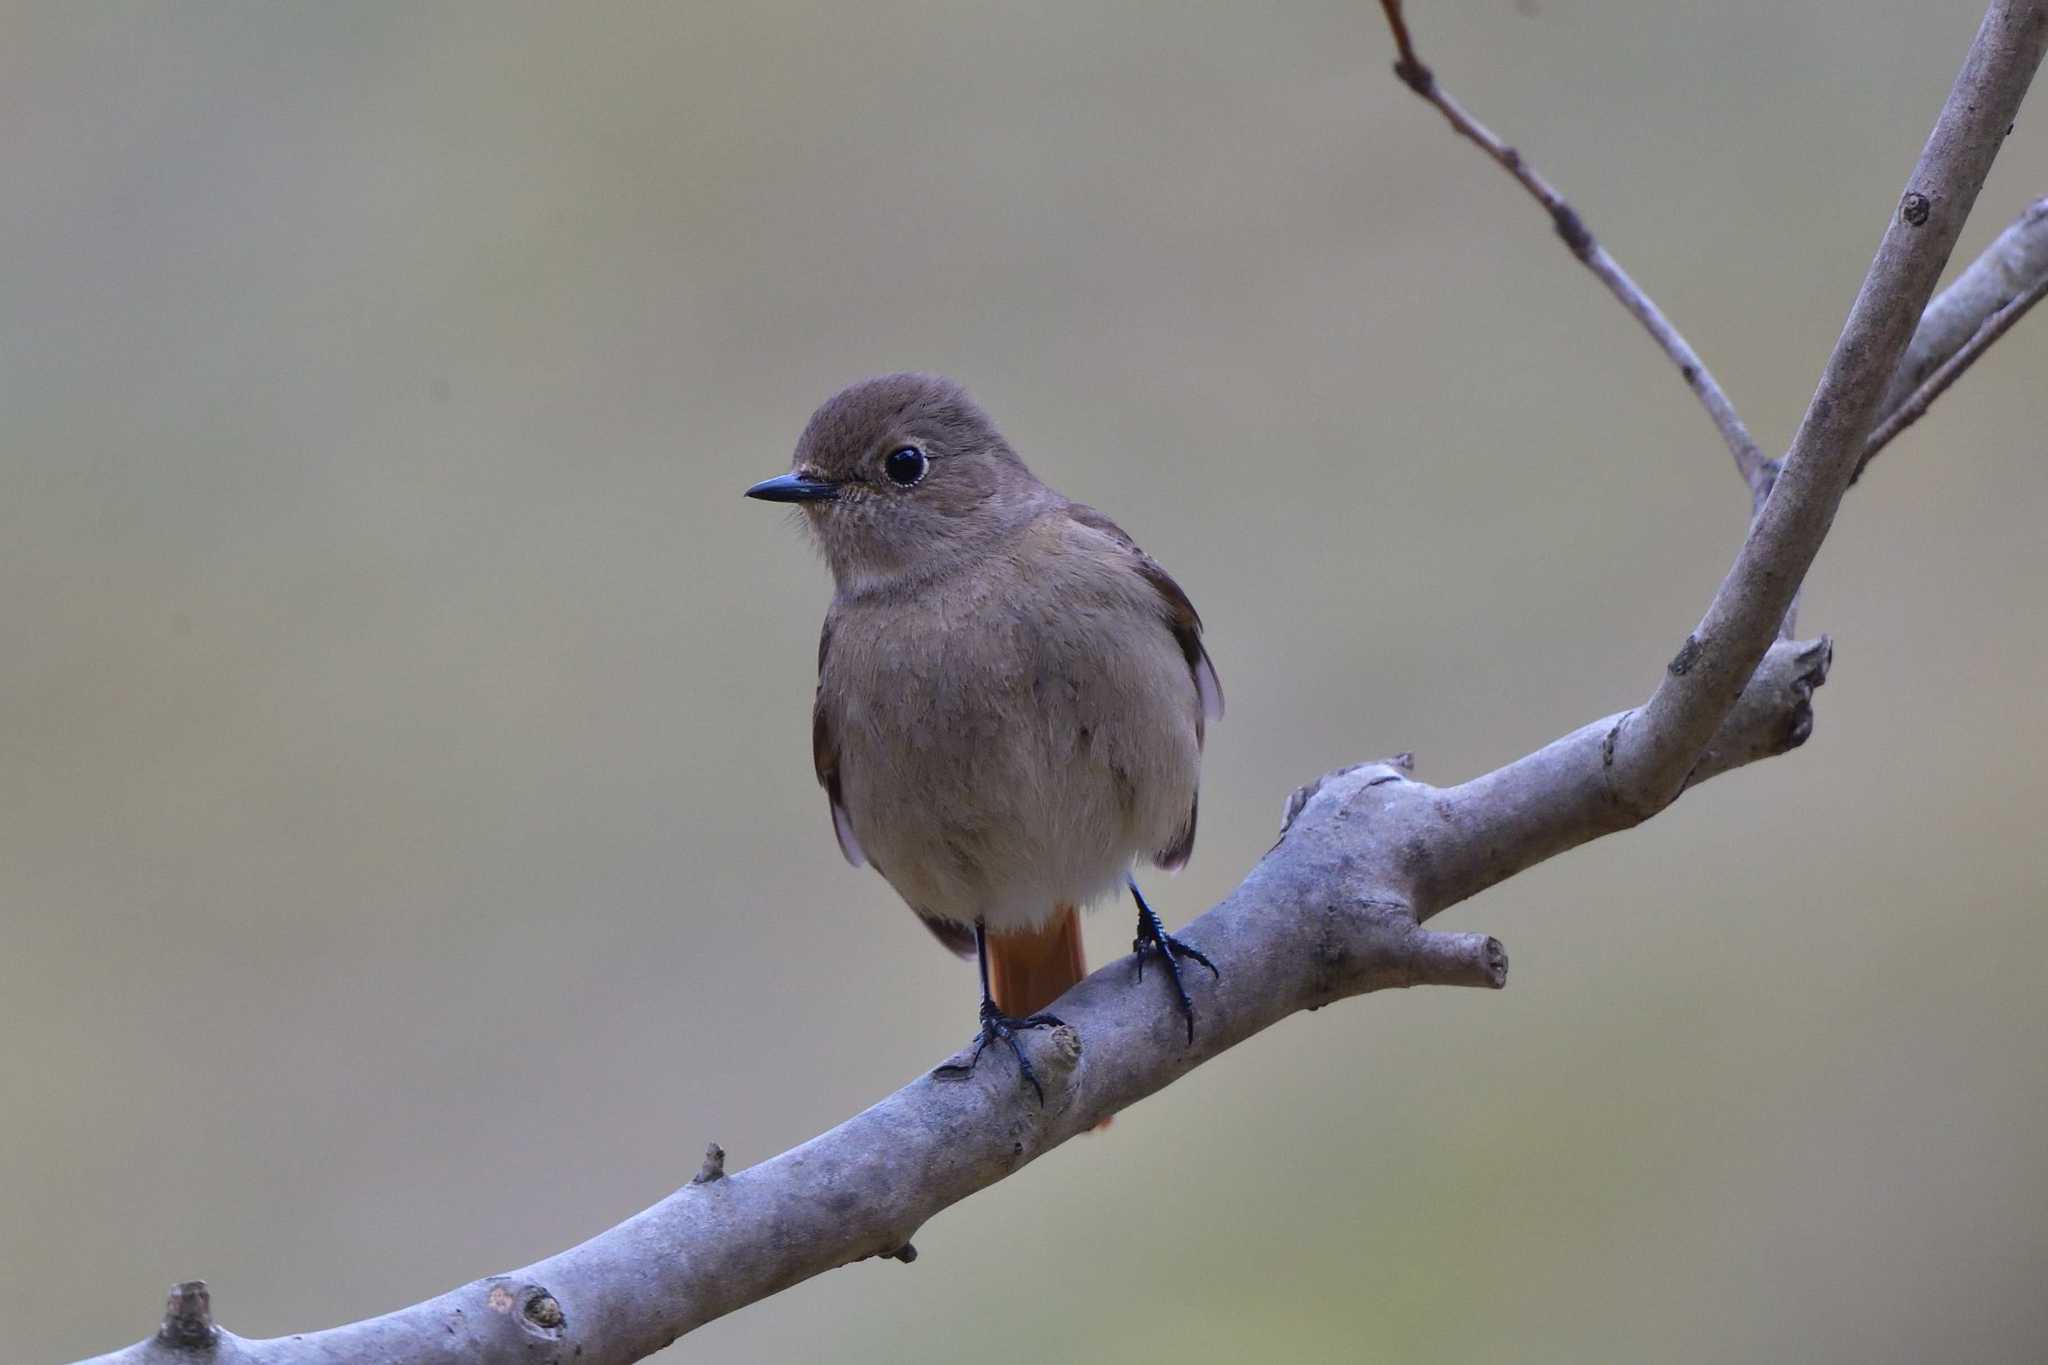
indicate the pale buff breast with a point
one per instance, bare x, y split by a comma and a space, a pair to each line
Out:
1010, 741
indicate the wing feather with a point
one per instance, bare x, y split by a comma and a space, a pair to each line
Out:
1180, 614
1180, 617
825, 759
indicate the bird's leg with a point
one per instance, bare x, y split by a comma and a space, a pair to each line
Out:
1152, 937
995, 1024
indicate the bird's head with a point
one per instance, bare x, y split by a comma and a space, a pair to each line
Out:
900, 476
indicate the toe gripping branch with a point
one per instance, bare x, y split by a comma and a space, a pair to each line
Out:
995, 1025
1153, 938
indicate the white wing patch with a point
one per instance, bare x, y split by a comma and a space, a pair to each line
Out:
848, 844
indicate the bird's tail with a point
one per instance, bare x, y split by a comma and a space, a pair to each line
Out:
1029, 970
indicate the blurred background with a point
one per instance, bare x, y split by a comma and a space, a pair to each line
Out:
409, 855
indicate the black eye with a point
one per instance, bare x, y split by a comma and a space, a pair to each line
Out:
905, 465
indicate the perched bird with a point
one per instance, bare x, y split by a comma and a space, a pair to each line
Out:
1011, 694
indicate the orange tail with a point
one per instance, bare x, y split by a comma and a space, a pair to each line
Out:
1028, 971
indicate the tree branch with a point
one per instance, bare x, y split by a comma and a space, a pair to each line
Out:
1579, 240
1657, 748
1916, 404
1334, 909
2016, 261
1962, 322
1367, 856
1960, 325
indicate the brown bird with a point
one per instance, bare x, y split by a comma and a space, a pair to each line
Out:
1011, 694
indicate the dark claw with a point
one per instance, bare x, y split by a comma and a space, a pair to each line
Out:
1181, 948
1152, 937
995, 1024
1173, 947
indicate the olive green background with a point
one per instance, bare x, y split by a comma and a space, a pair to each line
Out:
409, 856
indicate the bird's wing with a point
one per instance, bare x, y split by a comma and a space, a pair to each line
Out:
825, 759
1178, 614
1176, 611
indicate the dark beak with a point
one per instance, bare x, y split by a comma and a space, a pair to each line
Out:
793, 488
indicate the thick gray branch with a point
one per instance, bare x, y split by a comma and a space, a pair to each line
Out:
1333, 910
1486, 830
1659, 746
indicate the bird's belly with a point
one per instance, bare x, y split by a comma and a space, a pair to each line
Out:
1004, 801
992, 831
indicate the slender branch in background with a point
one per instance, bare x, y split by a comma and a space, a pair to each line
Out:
1658, 746
1750, 461
2015, 262
1950, 370
2010, 278
1367, 855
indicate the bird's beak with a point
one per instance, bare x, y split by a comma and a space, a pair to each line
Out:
794, 488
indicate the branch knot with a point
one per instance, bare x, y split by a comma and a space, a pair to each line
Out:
1578, 237
1416, 76
188, 1317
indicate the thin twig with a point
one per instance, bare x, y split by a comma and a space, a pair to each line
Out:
2007, 268
1916, 404
1750, 461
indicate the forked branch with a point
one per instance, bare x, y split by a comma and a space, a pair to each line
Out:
1980, 307
1658, 748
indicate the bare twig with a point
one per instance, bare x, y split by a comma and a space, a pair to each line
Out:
2015, 262
1957, 327
1658, 746
1915, 404
1749, 459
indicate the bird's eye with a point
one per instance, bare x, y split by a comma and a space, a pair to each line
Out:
905, 465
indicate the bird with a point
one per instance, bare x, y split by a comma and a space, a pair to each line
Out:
1011, 700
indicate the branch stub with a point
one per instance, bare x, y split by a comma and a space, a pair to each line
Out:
188, 1316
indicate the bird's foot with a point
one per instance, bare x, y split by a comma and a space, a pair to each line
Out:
997, 1025
1153, 938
